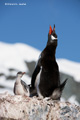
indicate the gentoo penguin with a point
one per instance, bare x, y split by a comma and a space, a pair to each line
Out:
20, 87
45, 78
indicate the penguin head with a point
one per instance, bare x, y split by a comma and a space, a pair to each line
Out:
20, 74
52, 37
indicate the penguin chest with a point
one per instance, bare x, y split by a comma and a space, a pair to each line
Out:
19, 90
37, 82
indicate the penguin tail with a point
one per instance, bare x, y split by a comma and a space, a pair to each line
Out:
63, 85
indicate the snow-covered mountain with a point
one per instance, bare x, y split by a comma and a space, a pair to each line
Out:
21, 57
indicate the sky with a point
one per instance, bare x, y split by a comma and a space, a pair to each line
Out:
30, 23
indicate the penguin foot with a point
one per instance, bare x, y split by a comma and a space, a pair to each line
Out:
40, 98
47, 98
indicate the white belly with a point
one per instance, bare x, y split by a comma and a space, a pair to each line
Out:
37, 82
19, 90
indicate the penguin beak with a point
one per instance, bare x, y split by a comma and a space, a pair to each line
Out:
23, 73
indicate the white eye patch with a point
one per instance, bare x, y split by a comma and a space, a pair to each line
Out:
53, 38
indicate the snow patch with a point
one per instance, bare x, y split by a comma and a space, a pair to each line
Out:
69, 67
14, 55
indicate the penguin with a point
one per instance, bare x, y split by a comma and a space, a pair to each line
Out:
20, 87
45, 81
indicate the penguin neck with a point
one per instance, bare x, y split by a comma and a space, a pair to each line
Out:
18, 80
51, 50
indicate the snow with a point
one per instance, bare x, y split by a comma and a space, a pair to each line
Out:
6, 90
73, 100
14, 55
69, 67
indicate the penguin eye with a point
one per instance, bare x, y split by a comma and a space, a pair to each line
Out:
19, 72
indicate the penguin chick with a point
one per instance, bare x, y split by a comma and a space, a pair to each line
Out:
20, 87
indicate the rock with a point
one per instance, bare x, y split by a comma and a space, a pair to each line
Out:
16, 107
31, 67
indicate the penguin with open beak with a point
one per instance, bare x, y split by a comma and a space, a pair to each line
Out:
45, 81
20, 87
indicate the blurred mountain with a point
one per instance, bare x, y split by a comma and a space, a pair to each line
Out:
21, 57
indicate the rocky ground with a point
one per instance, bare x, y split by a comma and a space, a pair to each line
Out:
26, 108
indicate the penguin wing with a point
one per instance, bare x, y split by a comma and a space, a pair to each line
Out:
35, 73
25, 86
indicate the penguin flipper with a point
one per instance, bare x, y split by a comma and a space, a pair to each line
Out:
25, 86
58, 91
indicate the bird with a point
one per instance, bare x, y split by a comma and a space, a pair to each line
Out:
45, 81
20, 87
